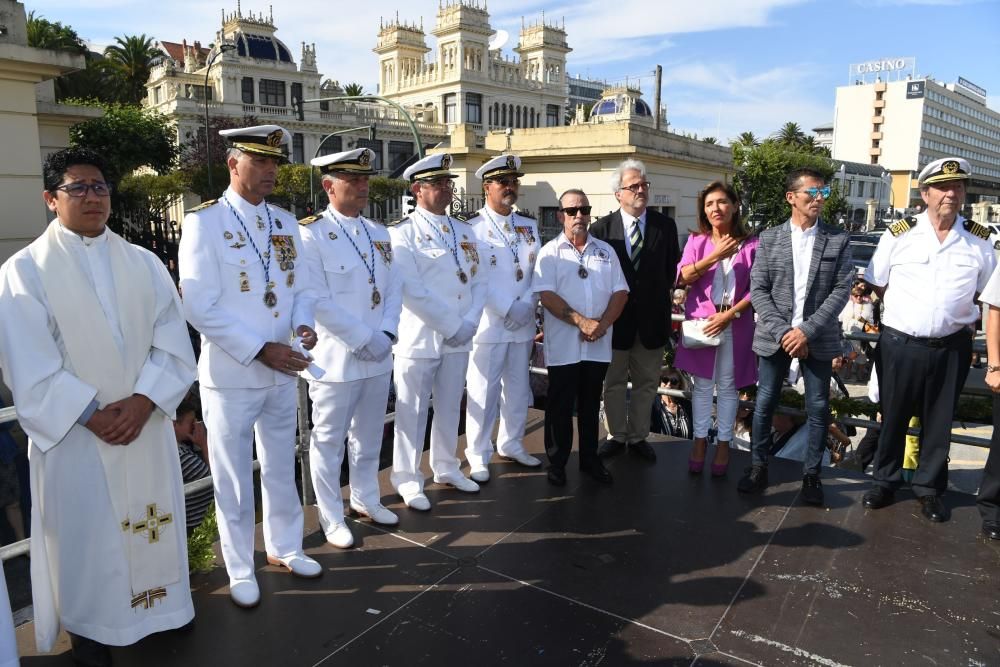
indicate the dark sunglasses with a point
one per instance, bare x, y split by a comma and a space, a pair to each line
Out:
507, 182
571, 211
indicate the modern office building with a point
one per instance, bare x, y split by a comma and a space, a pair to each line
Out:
902, 125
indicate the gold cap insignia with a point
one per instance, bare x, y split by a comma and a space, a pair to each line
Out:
365, 158
274, 138
949, 167
511, 162
446, 161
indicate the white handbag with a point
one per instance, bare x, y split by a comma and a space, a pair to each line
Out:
693, 335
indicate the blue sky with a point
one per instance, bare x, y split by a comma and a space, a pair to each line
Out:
729, 65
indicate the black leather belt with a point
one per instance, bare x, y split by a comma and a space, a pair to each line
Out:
929, 342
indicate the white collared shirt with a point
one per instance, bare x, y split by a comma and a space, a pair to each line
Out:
628, 222
931, 285
803, 241
557, 270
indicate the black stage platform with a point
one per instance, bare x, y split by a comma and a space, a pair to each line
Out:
661, 568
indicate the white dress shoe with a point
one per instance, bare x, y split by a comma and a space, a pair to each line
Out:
298, 564
523, 458
339, 535
480, 474
377, 513
459, 481
417, 501
244, 593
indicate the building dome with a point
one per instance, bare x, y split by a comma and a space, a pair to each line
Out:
261, 47
612, 105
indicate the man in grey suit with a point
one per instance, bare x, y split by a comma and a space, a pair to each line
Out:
799, 284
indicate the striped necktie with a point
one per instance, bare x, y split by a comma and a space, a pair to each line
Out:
635, 239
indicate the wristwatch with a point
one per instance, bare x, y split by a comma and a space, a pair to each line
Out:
992, 369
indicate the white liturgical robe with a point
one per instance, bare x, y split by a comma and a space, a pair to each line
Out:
91, 551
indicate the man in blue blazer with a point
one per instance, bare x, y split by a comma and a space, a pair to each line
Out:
799, 284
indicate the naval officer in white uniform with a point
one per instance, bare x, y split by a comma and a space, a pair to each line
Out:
497, 380
444, 292
242, 289
358, 299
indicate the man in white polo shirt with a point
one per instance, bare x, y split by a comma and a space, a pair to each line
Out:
580, 282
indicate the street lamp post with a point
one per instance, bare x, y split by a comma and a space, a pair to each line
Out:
208, 140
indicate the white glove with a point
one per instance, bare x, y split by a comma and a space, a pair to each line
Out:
462, 336
519, 315
379, 346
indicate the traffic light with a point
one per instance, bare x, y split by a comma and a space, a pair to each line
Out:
371, 132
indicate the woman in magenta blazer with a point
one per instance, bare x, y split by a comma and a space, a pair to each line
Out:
716, 265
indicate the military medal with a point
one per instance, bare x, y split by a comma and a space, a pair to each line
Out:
376, 297
240, 236
270, 299
333, 237
228, 236
453, 246
512, 246
290, 280
582, 272
278, 223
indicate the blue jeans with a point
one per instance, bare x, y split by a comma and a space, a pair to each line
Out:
771, 373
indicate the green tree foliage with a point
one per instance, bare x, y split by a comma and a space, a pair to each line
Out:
835, 205
128, 63
747, 139
129, 138
760, 179
790, 135
710, 140
354, 90
382, 190
155, 191
44, 34
201, 553
291, 188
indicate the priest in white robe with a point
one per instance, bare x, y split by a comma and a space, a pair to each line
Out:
96, 351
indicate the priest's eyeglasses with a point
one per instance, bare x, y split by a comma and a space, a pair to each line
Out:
80, 189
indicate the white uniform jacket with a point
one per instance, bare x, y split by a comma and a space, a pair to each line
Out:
346, 316
222, 286
435, 300
499, 236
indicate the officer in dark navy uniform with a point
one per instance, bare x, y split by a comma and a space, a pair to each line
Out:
928, 269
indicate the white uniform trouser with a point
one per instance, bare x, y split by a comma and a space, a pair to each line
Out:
417, 380
727, 400
497, 383
232, 418
353, 410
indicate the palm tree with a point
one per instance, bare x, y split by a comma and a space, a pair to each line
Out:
809, 144
710, 140
354, 90
747, 139
129, 63
790, 134
44, 34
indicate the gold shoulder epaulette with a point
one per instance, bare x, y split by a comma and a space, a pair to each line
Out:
525, 215
202, 206
900, 227
279, 209
977, 229
396, 222
311, 219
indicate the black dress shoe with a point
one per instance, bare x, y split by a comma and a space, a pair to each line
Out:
754, 481
932, 508
643, 450
598, 472
991, 529
877, 497
610, 448
556, 476
812, 490
89, 653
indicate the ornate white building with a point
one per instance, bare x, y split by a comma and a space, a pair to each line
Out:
256, 75
467, 79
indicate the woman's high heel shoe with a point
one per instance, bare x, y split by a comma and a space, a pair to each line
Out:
695, 467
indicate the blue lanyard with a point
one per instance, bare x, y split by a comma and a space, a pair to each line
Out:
266, 258
513, 247
371, 245
454, 239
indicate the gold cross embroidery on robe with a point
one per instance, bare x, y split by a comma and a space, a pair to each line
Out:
152, 523
147, 598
